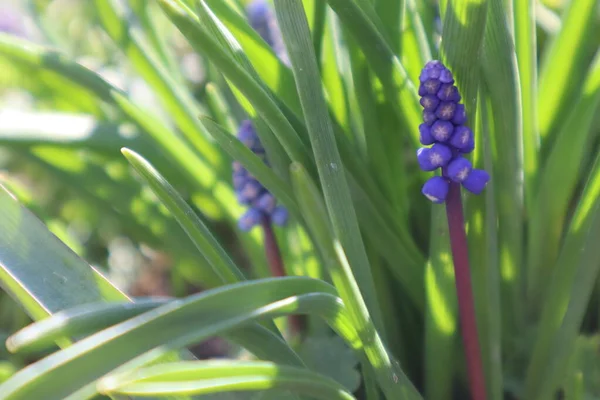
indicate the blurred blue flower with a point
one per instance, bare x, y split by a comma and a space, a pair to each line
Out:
262, 19
249, 191
444, 128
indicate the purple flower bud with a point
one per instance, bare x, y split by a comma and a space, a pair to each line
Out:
459, 169
430, 86
263, 20
266, 202
247, 135
448, 92
429, 102
436, 189
250, 219
425, 135
445, 110
434, 157
429, 117
446, 76
460, 115
442, 130
476, 181
462, 137
279, 216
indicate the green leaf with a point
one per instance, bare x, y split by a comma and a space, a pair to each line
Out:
260, 99
254, 164
526, 49
174, 97
500, 73
330, 356
572, 283
315, 214
224, 269
39, 271
563, 61
197, 172
296, 35
564, 164
77, 321
199, 378
398, 87
142, 339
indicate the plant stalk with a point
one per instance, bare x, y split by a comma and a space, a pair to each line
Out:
464, 292
275, 261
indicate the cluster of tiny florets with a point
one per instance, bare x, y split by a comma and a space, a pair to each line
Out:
249, 191
445, 130
262, 19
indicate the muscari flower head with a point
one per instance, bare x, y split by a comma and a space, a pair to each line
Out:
444, 128
249, 191
262, 19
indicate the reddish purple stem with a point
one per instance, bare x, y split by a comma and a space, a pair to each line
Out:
464, 291
275, 261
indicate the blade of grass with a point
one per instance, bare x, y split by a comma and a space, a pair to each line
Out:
197, 172
141, 339
572, 284
296, 35
223, 267
388, 372
441, 312
563, 166
526, 49
174, 97
264, 104
399, 89
204, 377
500, 72
562, 62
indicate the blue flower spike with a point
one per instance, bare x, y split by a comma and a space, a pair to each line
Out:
249, 191
443, 127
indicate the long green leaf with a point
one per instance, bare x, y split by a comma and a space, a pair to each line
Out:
296, 35
223, 267
264, 104
571, 287
563, 62
197, 378
200, 174
75, 370
563, 166
39, 271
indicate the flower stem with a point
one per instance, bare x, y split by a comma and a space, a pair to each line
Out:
464, 292
276, 266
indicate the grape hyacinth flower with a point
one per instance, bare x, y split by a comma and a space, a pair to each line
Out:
444, 127
262, 19
249, 191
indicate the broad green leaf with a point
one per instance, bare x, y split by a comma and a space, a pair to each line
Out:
140, 340
330, 356
39, 271
198, 378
